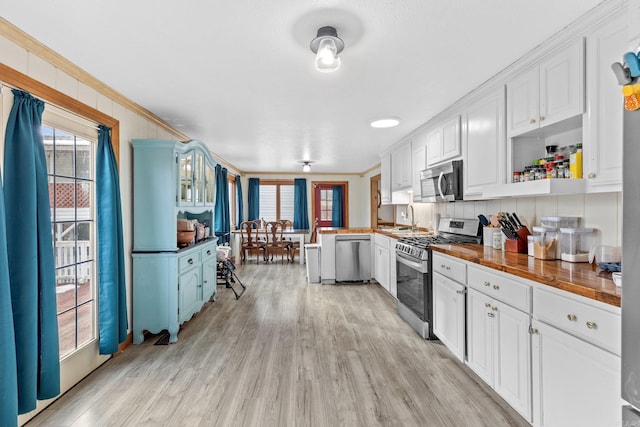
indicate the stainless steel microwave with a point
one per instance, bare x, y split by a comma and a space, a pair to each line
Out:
442, 183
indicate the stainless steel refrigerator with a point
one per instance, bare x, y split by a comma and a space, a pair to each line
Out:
631, 269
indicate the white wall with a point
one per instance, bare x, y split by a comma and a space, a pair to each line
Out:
602, 211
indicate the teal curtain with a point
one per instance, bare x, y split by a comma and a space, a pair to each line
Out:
112, 302
8, 379
31, 260
240, 202
337, 212
300, 210
221, 209
254, 199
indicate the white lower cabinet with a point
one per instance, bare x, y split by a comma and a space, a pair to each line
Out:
384, 263
574, 383
499, 348
448, 313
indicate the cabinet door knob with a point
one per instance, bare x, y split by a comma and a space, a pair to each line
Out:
487, 284
496, 287
487, 304
494, 308
190, 260
532, 330
541, 118
591, 175
592, 325
532, 121
461, 292
209, 252
442, 266
572, 317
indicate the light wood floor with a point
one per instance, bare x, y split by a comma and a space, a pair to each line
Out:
285, 354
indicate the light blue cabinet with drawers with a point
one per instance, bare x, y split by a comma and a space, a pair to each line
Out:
171, 180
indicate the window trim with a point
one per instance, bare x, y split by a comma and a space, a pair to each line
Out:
47, 94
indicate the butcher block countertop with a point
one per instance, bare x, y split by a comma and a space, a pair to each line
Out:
578, 278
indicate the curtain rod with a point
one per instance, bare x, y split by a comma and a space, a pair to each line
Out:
75, 116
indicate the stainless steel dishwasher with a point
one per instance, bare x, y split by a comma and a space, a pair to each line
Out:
353, 258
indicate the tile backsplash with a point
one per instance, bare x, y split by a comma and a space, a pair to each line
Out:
601, 211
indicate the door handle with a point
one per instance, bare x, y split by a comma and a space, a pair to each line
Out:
440, 184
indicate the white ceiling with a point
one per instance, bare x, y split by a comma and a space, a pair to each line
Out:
239, 75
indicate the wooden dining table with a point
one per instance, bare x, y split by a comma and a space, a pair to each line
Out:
293, 233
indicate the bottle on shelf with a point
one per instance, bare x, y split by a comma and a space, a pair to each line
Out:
575, 162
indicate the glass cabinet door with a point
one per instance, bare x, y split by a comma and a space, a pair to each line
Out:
186, 179
210, 185
198, 183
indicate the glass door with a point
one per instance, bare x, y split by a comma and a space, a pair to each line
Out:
198, 179
209, 185
186, 179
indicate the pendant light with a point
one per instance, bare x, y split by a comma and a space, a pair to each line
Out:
327, 45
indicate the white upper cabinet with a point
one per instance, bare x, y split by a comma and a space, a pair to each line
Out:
418, 163
401, 167
484, 143
443, 142
547, 93
603, 132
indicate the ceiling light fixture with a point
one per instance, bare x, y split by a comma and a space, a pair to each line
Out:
387, 122
327, 45
306, 166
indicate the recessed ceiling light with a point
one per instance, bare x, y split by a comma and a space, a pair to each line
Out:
387, 122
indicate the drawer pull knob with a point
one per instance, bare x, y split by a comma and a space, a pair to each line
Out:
209, 252
442, 266
462, 292
541, 118
496, 287
487, 283
592, 325
448, 268
487, 304
572, 317
190, 261
532, 121
494, 308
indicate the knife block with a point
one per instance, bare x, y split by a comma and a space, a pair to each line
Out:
518, 245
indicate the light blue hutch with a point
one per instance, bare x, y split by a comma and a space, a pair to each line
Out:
171, 180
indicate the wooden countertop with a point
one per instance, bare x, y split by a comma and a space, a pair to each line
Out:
578, 278
337, 230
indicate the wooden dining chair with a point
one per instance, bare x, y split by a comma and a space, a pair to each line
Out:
250, 243
276, 244
292, 245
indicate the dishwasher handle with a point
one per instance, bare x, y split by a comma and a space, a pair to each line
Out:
352, 237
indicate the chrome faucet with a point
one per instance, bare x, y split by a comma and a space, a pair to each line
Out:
413, 223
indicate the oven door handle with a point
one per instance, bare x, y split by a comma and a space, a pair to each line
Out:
409, 262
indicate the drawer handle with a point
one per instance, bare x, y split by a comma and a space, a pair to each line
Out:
487, 304
190, 260
572, 317
487, 284
209, 252
491, 315
496, 287
592, 325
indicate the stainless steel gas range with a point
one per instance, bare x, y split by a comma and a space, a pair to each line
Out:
413, 270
